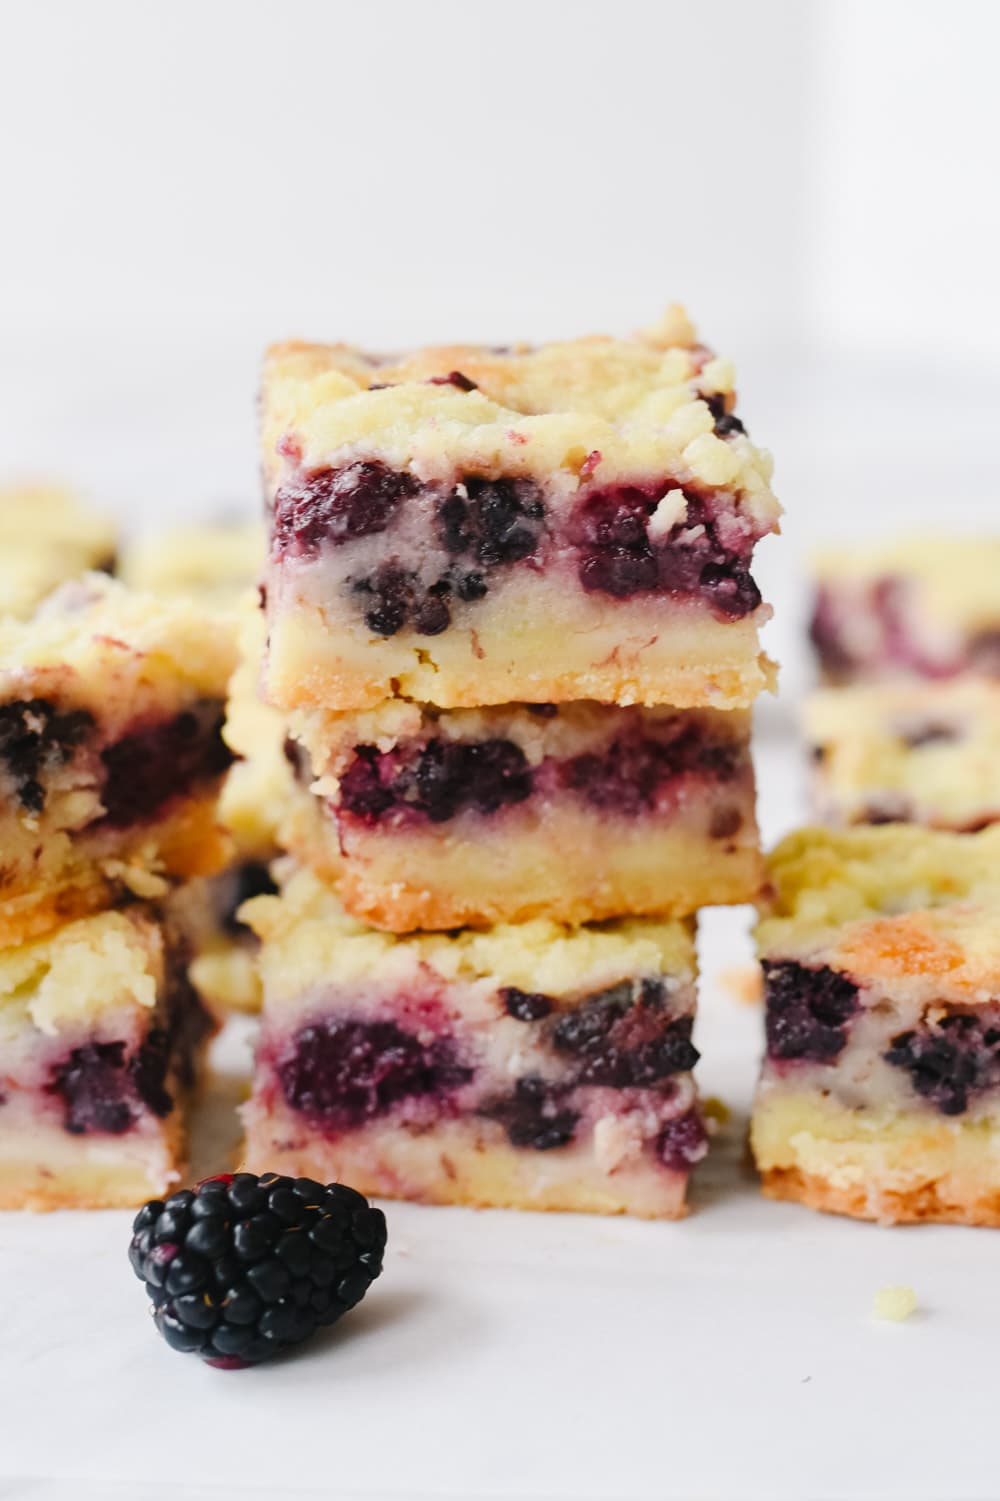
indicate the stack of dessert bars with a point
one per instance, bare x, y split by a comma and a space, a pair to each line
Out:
111, 759
880, 1091
512, 626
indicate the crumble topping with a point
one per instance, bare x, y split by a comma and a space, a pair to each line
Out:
309, 935
84, 970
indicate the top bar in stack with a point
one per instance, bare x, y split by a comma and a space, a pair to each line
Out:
468, 526
919, 606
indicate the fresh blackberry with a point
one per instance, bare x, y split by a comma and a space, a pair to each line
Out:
244, 1267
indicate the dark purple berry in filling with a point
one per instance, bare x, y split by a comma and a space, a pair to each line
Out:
343, 1073
336, 506
808, 1011
950, 1061
244, 1267
145, 770
393, 598
392, 590
525, 1005
456, 378
534, 1116
623, 1041
362, 791
470, 587
729, 589
725, 422
627, 775
682, 1142
443, 778
431, 617
482, 774
616, 555
36, 738
496, 521
610, 532
103, 1089
93, 1084
620, 572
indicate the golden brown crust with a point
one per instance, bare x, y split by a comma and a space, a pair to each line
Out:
498, 1178
927, 1204
611, 682
122, 1184
408, 910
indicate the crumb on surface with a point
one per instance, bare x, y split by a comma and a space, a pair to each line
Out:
894, 1304
743, 983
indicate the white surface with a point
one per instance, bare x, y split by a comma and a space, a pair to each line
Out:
731, 1357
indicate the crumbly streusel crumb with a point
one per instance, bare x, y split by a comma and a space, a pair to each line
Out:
894, 1303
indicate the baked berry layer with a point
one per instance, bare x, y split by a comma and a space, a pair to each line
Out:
825, 1026
452, 817
488, 580
102, 1036
405, 1052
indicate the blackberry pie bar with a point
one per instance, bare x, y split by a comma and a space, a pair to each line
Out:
435, 818
533, 1066
880, 1091
921, 606
924, 753
111, 752
467, 526
99, 1039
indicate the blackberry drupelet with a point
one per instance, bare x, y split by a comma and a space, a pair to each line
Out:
244, 1267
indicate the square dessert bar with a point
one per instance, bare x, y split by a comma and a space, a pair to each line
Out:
534, 1066
214, 563
47, 535
469, 526
435, 818
923, 752
920, 606
111, 752
880, 1090
99, 1037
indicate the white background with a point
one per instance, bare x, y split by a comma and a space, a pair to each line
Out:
183, 182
